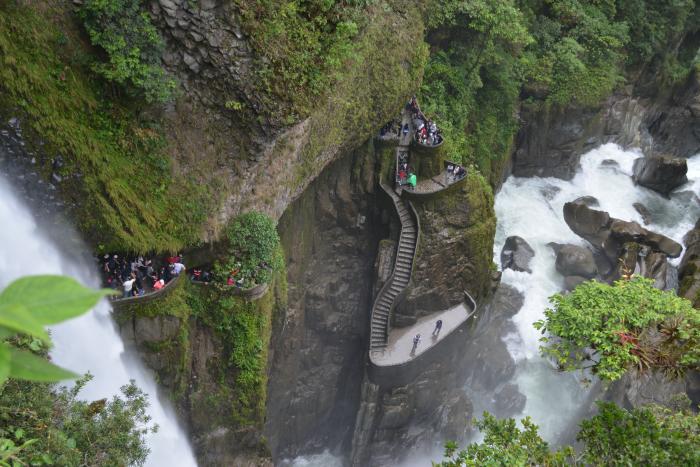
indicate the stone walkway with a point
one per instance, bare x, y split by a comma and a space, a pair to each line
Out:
400, 342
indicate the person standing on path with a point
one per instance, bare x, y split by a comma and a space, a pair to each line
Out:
438, 327
416, 341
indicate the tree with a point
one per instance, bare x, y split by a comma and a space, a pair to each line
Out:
610, 329
650, 435
505, 445
43, 424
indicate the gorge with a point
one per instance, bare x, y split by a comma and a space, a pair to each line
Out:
295, 110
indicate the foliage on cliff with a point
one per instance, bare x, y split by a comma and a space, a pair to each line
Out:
115, 170
611, 329
645, 436
44, 424
132, 44
301, 46
253, 250
243, 327
489, 56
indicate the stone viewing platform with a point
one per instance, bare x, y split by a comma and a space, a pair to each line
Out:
400, 341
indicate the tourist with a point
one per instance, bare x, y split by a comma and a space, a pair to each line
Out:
128, 287
412, 180
206, 277
158, 284
113, 263
138, 284
178, 268
450, 172
105, 263
229, 281
438, 327
416, 341
196, 274
405, 129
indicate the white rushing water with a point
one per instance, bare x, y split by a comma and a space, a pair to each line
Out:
532, 208
90, 342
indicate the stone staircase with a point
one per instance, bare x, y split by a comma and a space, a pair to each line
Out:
403, 265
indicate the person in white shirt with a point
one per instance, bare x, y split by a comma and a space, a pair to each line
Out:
178, 268
129, 286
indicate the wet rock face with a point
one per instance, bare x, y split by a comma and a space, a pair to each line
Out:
660, 173
574, 260
643, 211
454, 252
689, 269
516, 254
317, 354
509, 400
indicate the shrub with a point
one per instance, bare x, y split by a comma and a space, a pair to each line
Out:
610, 329
252, 249
132, 44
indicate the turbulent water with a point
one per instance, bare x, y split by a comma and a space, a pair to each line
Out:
90, 342
533, 209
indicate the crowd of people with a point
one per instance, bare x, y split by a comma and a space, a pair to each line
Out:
426, 131
405, 175
137, 276
455, 172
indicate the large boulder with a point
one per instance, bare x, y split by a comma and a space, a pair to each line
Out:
623, 232
590, 224
516, 254
574, 260
660, 173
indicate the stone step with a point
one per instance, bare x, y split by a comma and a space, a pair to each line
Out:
407, 260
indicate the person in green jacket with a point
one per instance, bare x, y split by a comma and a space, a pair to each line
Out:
412, 180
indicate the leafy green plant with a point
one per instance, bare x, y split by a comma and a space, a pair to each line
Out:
650, 435
44, 424
611, 329
133, 46
253, 249
29, 304
506, 445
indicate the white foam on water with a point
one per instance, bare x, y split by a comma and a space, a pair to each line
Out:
89, 342
532, 208
324, 459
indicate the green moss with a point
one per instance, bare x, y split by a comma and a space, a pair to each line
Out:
482, 227
387, 66
125, 195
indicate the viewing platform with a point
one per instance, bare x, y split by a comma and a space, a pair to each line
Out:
400, 342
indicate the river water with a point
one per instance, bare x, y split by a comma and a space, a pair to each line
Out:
533, 209
90, 342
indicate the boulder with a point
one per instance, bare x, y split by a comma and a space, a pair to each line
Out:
643, 211
571, 282
660, 173
590, 224
689, 270
574, 260
590, 201
516, 254
623, 232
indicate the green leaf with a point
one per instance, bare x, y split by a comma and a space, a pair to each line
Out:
17, 318
51, 299
27, 366
4, 362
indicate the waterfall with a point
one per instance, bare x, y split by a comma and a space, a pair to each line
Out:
90, 342
532, 209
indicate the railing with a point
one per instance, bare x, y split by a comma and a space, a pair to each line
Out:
120, 302
390, 280
402, 373
428, 146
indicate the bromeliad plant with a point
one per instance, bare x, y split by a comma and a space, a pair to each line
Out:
612, 328
27, 306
